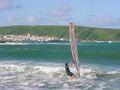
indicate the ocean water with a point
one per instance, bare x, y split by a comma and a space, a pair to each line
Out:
40, 66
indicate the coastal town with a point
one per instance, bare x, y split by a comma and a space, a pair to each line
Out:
26, 38
36, 38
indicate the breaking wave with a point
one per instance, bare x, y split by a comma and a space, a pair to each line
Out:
52, 76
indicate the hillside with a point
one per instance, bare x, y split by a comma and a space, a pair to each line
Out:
82, 33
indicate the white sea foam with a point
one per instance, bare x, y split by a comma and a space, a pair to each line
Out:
45, 76
114, 72
101, 86
13, 43
29, 43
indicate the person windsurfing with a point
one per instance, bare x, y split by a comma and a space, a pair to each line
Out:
69, 73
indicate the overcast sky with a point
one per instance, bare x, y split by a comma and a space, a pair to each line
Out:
101, 13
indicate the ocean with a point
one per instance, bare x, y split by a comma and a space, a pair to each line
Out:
40, 66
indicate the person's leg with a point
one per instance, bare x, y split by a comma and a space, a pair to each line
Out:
70, 73
72, 77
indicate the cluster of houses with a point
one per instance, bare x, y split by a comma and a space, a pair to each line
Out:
24, 38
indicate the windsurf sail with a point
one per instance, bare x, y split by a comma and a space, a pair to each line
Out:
73, 46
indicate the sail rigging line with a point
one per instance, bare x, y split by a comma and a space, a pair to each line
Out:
73, 46
63, 34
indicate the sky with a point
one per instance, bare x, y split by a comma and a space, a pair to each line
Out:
96, 13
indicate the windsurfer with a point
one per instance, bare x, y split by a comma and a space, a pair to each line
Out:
69, 73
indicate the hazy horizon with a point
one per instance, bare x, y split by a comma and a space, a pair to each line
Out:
83, 12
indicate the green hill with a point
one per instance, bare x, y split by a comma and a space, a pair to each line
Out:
82, 33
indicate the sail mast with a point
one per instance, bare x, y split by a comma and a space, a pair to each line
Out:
73, 46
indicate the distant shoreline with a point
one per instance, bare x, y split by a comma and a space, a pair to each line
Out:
34, 39
44, 33
28, 38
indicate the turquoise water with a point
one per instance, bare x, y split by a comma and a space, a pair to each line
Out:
40, 66
99, 53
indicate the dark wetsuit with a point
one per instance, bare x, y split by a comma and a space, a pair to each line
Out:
68, 70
